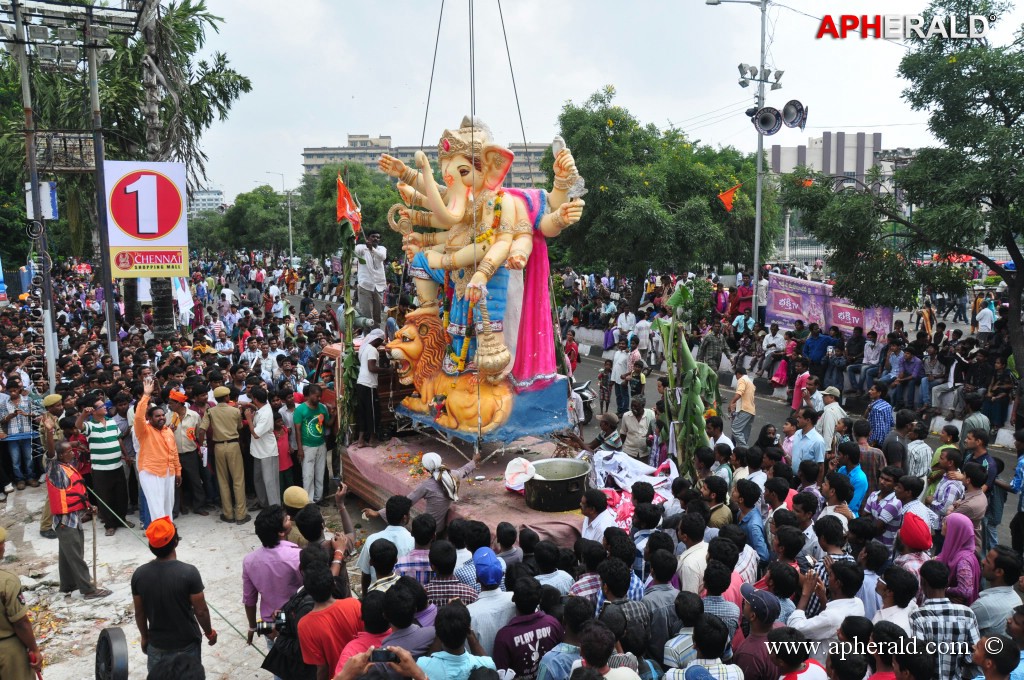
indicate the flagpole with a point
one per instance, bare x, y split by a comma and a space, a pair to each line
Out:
345, 394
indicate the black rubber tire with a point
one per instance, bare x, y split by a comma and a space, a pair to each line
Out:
112, 655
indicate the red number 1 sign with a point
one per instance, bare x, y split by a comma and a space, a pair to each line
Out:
147, 221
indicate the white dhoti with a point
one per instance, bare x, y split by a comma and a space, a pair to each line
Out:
159, 493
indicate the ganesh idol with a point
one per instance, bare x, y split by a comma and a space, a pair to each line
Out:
479, 257
478, 253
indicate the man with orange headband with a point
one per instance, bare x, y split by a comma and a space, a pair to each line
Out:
159, 467
170, 607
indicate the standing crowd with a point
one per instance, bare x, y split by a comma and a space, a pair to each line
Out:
829, 530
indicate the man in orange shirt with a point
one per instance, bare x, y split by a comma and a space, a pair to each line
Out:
159, 466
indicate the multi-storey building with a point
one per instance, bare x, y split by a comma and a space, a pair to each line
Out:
205, 200
365, 150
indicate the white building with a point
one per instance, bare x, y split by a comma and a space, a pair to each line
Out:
205, 200
365, 150
834, 153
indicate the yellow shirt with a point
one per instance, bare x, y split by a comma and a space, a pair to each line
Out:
745, 390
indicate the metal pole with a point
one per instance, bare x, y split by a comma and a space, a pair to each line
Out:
291, 250
49, 343
760, 151
786, 242
101, 189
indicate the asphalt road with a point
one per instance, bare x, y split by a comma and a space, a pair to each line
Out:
768, 410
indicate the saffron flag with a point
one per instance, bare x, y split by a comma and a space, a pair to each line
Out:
727, 196
348, 209
808, 182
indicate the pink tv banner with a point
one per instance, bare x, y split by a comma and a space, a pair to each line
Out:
790, 299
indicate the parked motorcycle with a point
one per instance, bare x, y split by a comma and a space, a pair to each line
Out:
588, 397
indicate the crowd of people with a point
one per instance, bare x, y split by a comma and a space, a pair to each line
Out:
762, 566
830, 530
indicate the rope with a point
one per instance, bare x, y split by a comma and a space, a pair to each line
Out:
515, 91
139, 539
433, 66
476, 254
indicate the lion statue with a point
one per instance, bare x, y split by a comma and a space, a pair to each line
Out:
417, 353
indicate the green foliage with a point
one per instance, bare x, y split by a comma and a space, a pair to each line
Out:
258, 217
208, 233
698, 391
966, 193
699, 303
993, 280
657, 193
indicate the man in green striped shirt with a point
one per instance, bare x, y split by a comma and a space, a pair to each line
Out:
108, 480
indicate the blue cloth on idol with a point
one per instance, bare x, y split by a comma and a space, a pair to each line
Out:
497, 288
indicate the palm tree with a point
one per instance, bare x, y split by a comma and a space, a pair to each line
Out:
180, 101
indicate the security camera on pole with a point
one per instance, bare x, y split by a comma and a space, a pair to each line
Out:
767, 120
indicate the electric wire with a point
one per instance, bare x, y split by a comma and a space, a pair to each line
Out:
710, 122
416, 194
676, 123
874, 125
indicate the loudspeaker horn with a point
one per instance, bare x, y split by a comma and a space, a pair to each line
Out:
767, 121
791, 113
794, 114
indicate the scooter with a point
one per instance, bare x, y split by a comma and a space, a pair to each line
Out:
588, 397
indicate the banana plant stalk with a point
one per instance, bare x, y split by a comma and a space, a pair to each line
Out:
692, 387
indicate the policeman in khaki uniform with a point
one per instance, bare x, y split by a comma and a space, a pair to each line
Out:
17, 640
224, 422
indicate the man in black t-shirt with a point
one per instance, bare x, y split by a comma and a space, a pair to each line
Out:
170, 607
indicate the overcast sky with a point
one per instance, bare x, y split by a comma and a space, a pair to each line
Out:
322, 69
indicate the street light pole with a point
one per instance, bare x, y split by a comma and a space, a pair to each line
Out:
291, 250
763, 6
91, 46
49, 340
756, 273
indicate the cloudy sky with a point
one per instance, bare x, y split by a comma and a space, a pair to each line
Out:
322, 69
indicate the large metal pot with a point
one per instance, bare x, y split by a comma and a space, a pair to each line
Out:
558, 486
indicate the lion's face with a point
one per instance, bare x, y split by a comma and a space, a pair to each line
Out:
405, 349
418, 347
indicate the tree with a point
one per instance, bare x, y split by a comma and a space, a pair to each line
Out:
181, 98
257, 218
655, 193
966, 194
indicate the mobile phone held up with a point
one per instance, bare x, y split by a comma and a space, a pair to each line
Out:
383, 656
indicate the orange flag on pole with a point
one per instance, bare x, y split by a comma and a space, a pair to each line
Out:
348, 209
727, 196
